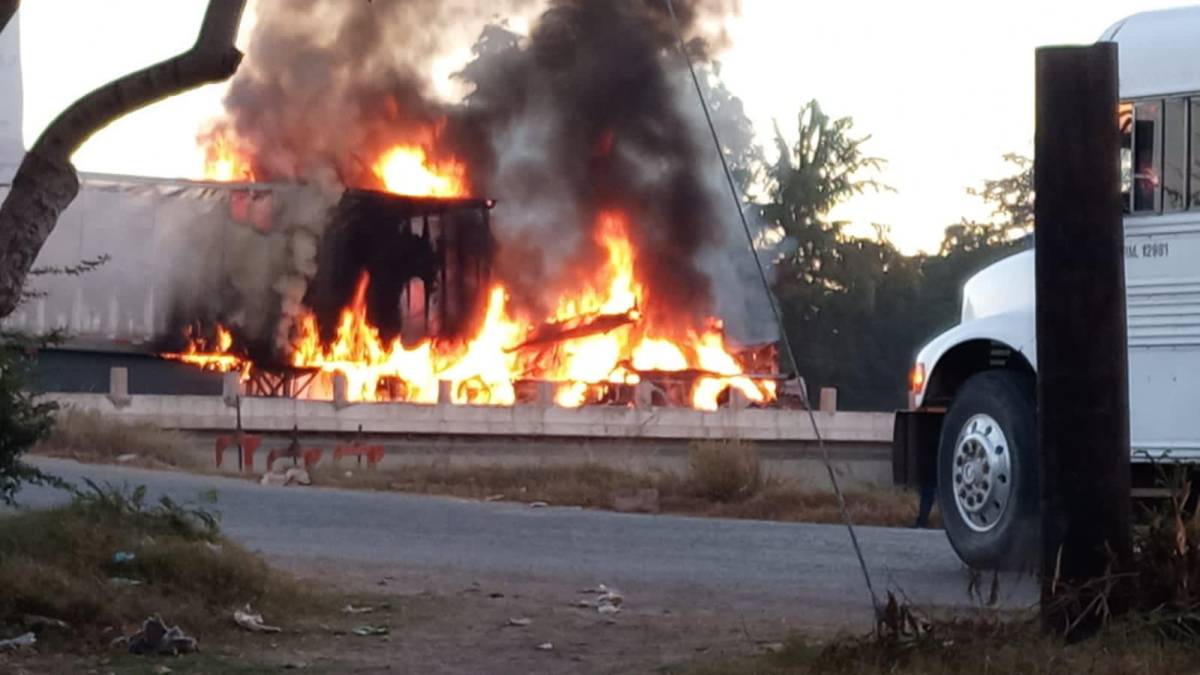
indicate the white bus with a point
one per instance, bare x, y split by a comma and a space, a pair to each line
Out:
970, 433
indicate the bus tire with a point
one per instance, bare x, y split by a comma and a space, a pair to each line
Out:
988, 471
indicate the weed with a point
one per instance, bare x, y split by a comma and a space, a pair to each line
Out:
90, 436
62, 563
724, 471
594, 485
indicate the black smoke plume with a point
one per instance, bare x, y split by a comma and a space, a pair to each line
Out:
585, 115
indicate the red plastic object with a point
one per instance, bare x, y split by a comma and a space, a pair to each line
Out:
373, 453
249, 443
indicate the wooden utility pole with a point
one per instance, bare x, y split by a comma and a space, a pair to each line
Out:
1083, 385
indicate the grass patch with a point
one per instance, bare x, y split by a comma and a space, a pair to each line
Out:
724, 471
587, 485
785, 500
61, 564
724, 479
982, 646
88, 436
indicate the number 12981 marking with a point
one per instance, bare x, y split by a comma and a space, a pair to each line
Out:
1160, 249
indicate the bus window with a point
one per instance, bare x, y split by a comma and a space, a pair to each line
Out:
1175, 148
1147, 156
1125, 123
1195, 182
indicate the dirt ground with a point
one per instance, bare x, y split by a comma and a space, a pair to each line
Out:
443, 623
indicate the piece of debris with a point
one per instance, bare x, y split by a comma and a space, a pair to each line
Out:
273, 478
38, 623
493, 498
126, 458
351, 609
546, 647
23, 640
366, 631
246, 618
156, 637
162, 670
522, 622
608, 600
122, 557
124, 581
772, 647
297, 476
495, 596
295, 665
538, 505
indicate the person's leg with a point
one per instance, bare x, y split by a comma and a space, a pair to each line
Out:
928, 492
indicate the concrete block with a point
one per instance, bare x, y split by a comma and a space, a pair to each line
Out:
340, 400
118, 387
828, 399
738, 400
445, 393
545, 393
231, 388
643, 395
280, 415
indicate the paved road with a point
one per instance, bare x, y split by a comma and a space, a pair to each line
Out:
701, 561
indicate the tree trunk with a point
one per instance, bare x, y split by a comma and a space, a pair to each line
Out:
7, 9
45, 182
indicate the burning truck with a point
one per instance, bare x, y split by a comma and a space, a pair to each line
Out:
394, 293
346, 236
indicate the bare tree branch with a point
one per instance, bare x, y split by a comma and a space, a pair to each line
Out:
7, 9
46, 183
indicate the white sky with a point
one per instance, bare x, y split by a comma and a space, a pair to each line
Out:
944, 87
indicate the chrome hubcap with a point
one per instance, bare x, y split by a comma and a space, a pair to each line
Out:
982, 473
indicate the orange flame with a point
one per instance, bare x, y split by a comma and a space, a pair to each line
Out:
597, 335
215, 356
603, 339
407, 170
224, 161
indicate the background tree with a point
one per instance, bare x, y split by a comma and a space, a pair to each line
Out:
745, 156
856, 309
826, 282
24, 418
46, 182
7, 9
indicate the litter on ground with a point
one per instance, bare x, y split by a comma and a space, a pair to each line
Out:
246, 618
23, 640
156, 637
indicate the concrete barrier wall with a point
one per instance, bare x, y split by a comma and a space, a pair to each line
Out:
276, 415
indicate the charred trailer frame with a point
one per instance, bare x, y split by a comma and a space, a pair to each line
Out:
429, 264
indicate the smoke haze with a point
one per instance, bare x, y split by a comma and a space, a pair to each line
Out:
589, 114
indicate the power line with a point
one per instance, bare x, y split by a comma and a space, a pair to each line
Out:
762, 275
